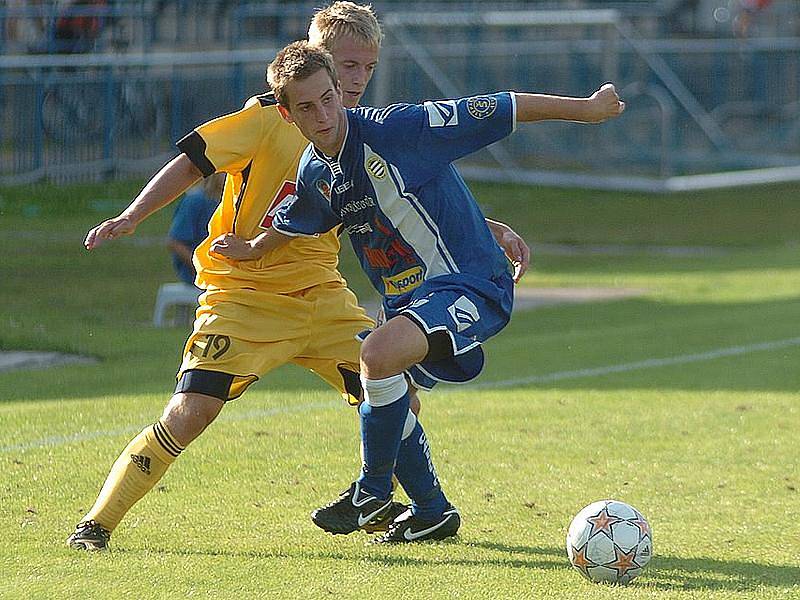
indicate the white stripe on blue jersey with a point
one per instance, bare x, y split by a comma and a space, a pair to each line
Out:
414, 225
409, 215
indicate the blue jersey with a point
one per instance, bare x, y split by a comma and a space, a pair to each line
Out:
393, 188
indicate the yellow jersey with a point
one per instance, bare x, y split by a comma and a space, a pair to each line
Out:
259, 151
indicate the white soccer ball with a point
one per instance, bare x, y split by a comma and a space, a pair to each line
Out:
609, 541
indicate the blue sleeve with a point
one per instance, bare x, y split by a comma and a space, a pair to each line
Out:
308, 212
442, 131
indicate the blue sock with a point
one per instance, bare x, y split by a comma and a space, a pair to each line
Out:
381, 430
415, 472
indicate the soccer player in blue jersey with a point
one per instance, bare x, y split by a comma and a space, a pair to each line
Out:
386, 177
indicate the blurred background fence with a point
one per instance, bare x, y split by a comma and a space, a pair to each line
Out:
103, 89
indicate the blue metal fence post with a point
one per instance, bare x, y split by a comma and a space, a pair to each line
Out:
236, 26
176, 112
148, 25
3, 30
759, 65
238, 82
110, 124
38, 125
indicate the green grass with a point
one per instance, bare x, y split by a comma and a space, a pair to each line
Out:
706, 449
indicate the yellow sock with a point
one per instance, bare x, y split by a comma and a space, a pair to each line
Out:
140, 466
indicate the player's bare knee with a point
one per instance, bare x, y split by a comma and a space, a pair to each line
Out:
187, 415
373, 359
391, 349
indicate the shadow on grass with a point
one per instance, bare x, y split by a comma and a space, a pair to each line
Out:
675, 573
664, 572
595, 346
387, 556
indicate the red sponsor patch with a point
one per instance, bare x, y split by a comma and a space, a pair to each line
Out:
287, 190
377, 258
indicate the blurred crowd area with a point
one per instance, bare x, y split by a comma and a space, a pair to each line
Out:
83, 26
103, 88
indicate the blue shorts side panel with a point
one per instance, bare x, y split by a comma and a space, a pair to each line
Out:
470, 310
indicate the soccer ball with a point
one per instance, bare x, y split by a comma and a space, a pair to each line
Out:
609, 541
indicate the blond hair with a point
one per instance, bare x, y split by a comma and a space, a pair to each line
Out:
298, 60
345, 19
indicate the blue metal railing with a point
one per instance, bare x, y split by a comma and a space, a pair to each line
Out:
76, 115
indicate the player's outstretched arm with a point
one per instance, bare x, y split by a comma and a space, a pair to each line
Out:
233, 247
171, 181
604, 104
513, 245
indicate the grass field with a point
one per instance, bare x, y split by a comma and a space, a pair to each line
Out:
682, 402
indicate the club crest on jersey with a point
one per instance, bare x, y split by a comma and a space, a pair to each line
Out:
376, 167
401, 283
442, 113
324, 188
464, 313
481, 107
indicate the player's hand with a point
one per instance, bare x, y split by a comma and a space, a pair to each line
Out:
517, 252
604, 104
108, 230
232, 247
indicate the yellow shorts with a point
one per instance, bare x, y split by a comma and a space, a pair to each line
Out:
247, 333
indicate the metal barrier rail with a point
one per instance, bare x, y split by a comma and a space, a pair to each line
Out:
92, 115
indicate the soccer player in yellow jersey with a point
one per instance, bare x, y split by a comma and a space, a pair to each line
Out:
292, 306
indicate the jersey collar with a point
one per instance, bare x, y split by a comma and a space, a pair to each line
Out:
334, 160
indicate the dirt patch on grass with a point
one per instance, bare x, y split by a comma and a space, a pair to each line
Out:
10, 361
524, 299
529, 298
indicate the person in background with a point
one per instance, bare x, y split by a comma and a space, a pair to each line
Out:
190, 225
79, 26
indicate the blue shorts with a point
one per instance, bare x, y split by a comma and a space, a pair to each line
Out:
469, 310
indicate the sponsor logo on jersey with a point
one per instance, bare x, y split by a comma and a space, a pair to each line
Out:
358, 228
355, 206
442, 113
286, 192
464, 313
376, 257
481, 107
342, 188
376, 167
401, 283
324, 188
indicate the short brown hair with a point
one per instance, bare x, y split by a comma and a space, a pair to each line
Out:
345, 19
298, 60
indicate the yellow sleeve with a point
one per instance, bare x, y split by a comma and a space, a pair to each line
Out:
227, 143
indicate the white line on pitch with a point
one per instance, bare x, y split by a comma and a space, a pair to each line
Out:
60, 440
546, 378
650, 363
